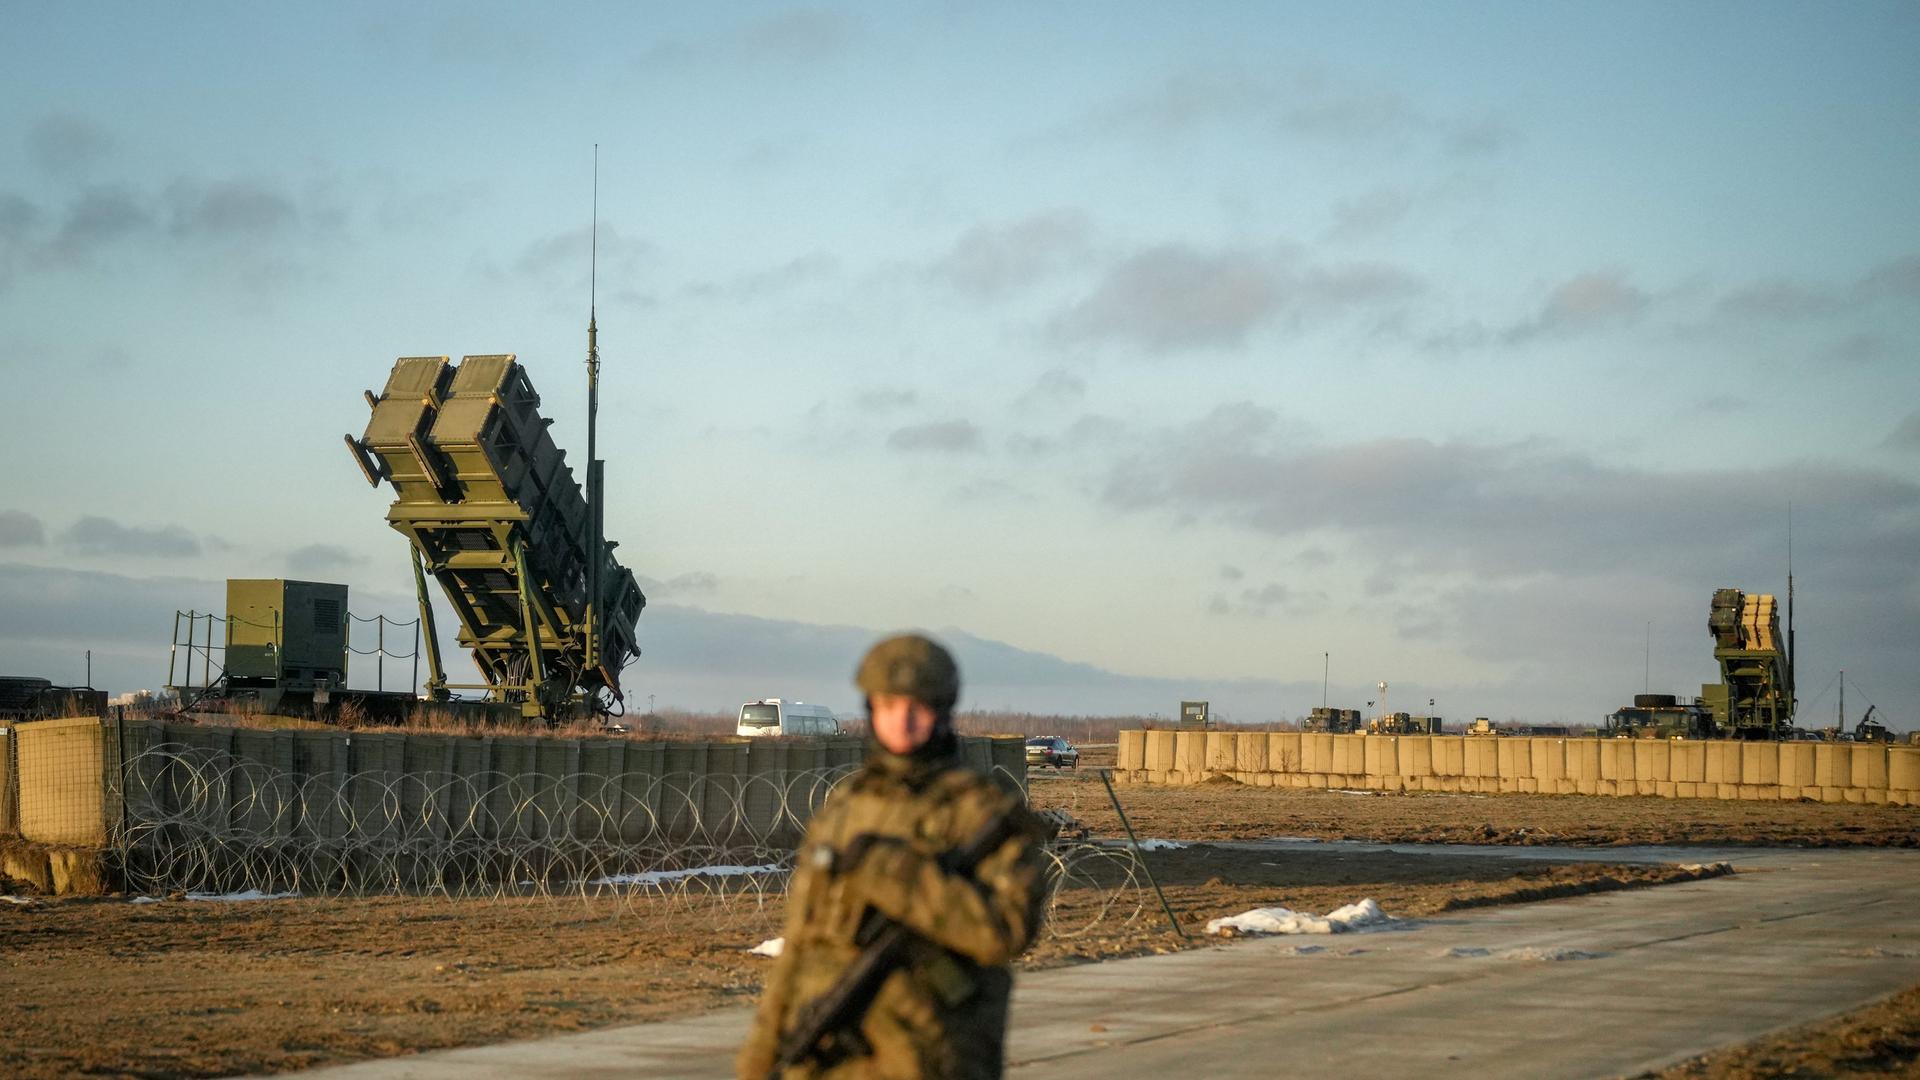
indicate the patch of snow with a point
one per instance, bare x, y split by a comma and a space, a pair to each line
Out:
1707, 868
1279, 920
1551, 954
1472, 952
144, 900
770, 947
1354, 916
1162, 845
658, 877
1351, 791
241, 897
17, 899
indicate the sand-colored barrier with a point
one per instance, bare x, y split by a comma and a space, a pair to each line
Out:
1863, 773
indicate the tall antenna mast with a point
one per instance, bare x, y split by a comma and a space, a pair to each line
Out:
596, 520
1792, 653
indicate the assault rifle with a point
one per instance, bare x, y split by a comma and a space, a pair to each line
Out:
828, 1026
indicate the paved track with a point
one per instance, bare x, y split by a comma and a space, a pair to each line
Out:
1603, 985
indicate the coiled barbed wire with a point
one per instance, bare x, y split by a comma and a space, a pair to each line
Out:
207, 823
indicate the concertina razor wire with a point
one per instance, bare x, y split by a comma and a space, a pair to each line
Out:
206, 823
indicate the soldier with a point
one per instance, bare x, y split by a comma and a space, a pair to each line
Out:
884, 847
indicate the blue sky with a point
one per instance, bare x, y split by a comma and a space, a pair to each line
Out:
1148, 350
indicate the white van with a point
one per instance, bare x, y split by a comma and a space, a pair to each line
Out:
772, 716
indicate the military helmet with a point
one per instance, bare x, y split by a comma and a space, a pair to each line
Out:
910, 665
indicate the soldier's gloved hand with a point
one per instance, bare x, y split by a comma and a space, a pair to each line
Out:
883, 870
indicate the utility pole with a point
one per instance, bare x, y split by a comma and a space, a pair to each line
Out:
1326, 664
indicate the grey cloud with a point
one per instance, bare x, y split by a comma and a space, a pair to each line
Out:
228, 210
1506, 510
1581, 303
1859, 349
989, 261
804, 36
801, 270
21, 529
99, 216
64, 143
1898, 279
680, 586
1314, 556
1787, 299
1722, 404
1266, 600
321, 559
95, 535
697, 581
18, 217
1906, 435
940, 436
886, 399
1054, 387
1508, 550
1477, 138
1174, 297
1777, 298
1093, 429
1300, 102
564, 259
1370, 213
1231, 573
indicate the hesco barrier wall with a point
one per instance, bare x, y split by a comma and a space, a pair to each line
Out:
87, 782
9, 808
1826, 772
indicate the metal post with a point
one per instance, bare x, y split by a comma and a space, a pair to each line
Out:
1107, 779
380, 658
414, 686
530, 616
436, 676
206, 663
173, 651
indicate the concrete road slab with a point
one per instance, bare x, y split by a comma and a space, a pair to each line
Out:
1594, 986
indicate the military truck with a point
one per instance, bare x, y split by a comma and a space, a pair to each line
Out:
1660, 716
29, 697
1332, 721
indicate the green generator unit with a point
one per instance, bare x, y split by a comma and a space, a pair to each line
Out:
285, 634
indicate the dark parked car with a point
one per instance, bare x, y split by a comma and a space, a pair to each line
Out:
1052, 750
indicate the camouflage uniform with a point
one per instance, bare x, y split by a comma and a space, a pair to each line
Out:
877, 844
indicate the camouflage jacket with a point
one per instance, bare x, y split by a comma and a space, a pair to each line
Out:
876, 843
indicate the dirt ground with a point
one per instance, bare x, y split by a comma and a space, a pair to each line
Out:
180, 988
183, 988
1224, 810
1881, 1040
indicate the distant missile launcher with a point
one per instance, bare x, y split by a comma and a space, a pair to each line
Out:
1754, 697
495, 515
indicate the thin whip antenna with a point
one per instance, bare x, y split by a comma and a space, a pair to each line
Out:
593, 258
596, 512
